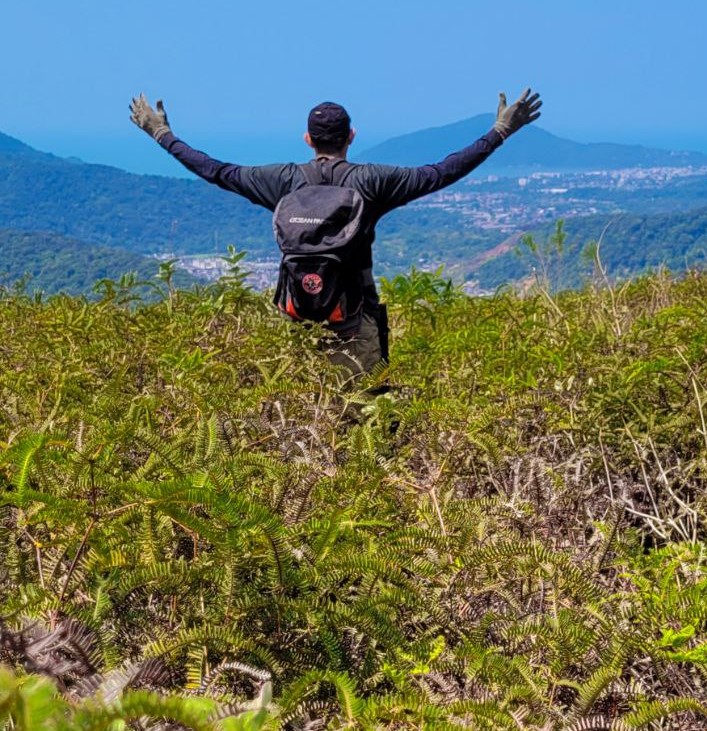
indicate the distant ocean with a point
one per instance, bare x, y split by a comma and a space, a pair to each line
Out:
136, 153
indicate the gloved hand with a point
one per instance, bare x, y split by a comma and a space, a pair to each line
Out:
511, 119
146, 118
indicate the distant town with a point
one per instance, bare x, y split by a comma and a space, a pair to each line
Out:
510, 205
514, 204
210, 267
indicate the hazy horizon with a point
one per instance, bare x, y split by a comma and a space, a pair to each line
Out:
121, 152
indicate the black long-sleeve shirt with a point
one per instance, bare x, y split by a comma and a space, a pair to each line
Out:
382, 187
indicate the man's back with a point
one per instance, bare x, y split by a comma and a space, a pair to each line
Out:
381, 187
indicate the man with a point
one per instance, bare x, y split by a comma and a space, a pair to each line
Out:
360, 338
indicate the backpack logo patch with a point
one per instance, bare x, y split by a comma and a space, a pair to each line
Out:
312, 283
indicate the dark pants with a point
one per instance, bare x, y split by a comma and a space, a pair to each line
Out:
360, 353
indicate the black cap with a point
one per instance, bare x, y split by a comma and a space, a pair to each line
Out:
328, 122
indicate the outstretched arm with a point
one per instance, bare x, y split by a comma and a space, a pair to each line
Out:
400, 185
154, 123
262, 185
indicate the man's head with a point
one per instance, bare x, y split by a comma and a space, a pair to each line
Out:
329, 129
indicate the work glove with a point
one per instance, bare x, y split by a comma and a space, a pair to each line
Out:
146, 118
511, 119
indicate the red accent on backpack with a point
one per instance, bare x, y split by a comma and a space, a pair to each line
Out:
337, 314
290, 309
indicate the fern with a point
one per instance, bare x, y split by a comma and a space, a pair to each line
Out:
498, 542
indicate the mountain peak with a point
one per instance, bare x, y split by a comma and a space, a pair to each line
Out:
11, 145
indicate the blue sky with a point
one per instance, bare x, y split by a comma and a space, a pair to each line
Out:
238, 77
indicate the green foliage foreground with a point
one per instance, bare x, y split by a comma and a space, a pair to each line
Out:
203, 526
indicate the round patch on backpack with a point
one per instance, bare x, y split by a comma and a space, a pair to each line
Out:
312, 283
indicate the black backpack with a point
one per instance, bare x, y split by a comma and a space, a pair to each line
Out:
317, 229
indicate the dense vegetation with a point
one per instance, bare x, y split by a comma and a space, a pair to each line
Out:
574, 260
205, 526
105, 206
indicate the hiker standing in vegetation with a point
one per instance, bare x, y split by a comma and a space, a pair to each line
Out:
325, 213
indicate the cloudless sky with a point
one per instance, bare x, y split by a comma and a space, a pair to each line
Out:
238, 78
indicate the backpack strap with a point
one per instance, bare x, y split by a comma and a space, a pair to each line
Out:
313, 173
318, 172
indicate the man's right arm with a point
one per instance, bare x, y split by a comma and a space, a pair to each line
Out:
263, 185
225, 175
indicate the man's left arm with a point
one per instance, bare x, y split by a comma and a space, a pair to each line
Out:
397, 186
402, 185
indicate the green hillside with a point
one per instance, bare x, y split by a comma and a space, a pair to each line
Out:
105, 206
205, 526
677, 241
52, 263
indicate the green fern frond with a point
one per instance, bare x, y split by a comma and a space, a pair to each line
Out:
222, 640
591, 690
350, 704
162, 454
171, 576
658, 710
206, 440
483, 714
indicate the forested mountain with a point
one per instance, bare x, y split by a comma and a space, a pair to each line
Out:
146, 214
677, 241
53, 263
534, 149
14, 146
103, 205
